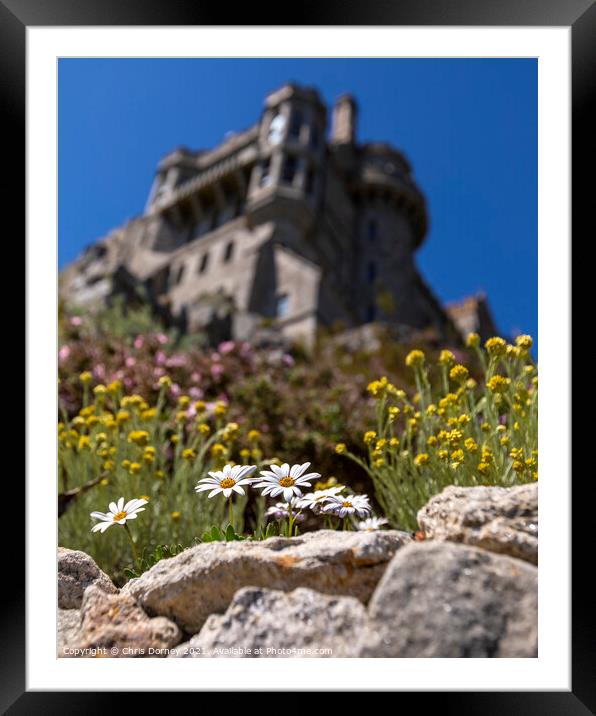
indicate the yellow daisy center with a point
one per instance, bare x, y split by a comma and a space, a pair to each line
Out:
119, 516
346, 504
227, 483
286, 481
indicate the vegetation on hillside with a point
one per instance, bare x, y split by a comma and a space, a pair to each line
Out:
145, 414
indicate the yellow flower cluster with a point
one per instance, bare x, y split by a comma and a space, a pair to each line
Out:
415, 359
126, 445
478, 432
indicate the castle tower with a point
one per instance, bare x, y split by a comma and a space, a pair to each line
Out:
291, 145
278, 225
345, 116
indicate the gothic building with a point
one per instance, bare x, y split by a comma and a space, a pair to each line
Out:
291, 224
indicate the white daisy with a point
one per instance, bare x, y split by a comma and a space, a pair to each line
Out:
371, 524
279, 511
285, 480
342, 505
228, 480
119, 514
315, 500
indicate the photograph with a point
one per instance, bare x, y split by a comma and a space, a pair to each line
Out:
297, 357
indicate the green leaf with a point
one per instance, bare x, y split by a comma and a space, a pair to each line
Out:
230, 534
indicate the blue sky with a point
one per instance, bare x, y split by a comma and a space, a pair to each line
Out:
469, 127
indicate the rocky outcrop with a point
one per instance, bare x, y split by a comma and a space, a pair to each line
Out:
435, 600
115, 626
76, 571
270, 623
468, 590
499, 519
203, 580
447, 600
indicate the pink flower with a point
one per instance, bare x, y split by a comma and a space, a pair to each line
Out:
196, 377
217, 369
99, 372
63, 353
130, 361
162, 339
175, 389
226, 347
195, 392
160, 358
76, 321
176, 361
288, 360
138, 342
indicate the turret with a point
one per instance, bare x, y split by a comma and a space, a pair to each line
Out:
291, 148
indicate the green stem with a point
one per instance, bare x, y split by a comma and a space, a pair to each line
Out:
290, 520
133, 547
231, 511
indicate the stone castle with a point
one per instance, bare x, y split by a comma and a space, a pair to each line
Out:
288, 226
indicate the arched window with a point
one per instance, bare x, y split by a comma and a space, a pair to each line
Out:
204, 263
229, 252
265, 178
296, 124
289, 169
276, 129
180, 274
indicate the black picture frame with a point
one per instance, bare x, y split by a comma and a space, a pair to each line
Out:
580, 15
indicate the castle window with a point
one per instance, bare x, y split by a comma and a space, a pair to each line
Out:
282, 303
289, 170
265, 179
372, 272
203, 265
238, 207
309, 182
296, 124
229, 252
314, 136
372, 230
180, 274
276, 129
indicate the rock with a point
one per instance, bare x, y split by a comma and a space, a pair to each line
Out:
68, 627
500, 519
76, 571
202, 580
438, 599
269, 623
113, 625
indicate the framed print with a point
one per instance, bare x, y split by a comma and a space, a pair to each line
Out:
293, 281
